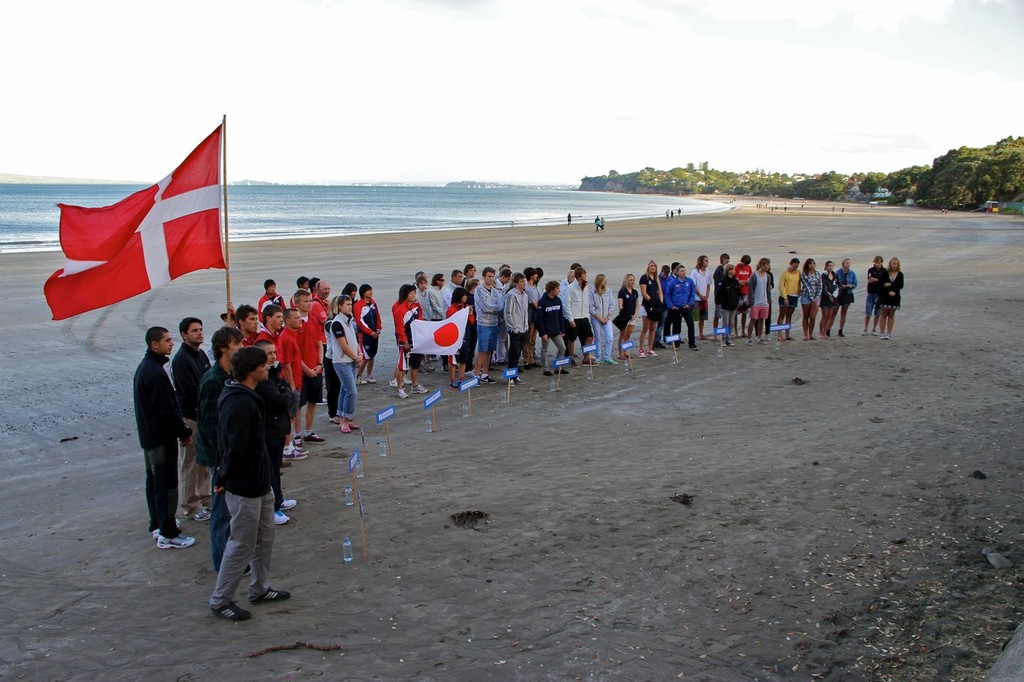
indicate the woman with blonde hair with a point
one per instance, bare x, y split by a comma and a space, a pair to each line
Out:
602, 310
625, 321
654, 304
890, 286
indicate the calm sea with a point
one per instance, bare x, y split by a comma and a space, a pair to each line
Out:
29, 217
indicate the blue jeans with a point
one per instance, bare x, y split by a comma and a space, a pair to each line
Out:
346, 372
220, 525
604, 336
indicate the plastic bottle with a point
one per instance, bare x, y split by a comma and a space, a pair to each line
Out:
359, 469
430, 426
383, 445
348, 496
776, 344
346, 549
504, 397
465, 410
719, 351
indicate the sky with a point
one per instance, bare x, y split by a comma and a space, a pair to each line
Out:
519, 91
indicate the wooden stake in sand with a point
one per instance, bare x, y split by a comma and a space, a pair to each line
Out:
382, 418
672, 341
428, 404
590, 349
353, 465
720, 334
557, 366
466, 387
509, 374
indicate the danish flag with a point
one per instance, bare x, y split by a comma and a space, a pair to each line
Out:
144, 241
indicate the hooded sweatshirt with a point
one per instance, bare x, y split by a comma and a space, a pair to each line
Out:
244, 466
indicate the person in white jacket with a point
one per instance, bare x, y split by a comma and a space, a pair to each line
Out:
602, 307
517, 319
577, 314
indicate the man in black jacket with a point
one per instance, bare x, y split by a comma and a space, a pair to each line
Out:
187, 368
243, 476
276, 396
161, 426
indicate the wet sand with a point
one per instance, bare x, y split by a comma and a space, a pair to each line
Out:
835, 527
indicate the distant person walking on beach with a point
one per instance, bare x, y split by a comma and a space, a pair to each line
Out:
890, 286
569, 219
161, 426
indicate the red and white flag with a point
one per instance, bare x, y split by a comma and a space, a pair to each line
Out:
443, 337
143, 241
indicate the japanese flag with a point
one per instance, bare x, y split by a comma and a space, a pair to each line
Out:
443, 337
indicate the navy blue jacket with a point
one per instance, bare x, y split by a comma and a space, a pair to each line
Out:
156, 409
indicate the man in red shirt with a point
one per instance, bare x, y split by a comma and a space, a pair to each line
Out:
269, 297
311, 349
270, 330
743, 273
248, 323
293, 370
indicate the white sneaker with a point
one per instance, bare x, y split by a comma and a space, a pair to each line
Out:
418, 389
402, 394
180, 542
393, 383
288, 504
280, 518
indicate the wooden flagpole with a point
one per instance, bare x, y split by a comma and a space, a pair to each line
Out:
224, 187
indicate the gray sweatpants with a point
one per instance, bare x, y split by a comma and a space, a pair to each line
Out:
559, 345
251, 543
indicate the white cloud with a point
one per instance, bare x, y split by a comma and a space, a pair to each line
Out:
495, 89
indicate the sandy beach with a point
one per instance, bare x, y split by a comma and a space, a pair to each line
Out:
834, 530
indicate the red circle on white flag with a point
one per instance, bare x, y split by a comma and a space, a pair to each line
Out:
447, 334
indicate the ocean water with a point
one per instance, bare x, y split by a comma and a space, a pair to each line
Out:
29, 217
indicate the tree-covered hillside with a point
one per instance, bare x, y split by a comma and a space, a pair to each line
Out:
961, 178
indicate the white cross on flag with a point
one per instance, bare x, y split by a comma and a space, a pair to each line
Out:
143, 241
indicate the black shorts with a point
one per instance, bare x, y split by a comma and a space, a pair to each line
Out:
312, 390
369, 345
581, 331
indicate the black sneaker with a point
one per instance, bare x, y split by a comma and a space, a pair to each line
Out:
486, 379
660, 345
548, 373
517, 380
694, 348
271, 595
232, 611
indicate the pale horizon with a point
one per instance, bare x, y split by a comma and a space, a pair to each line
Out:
504, 91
